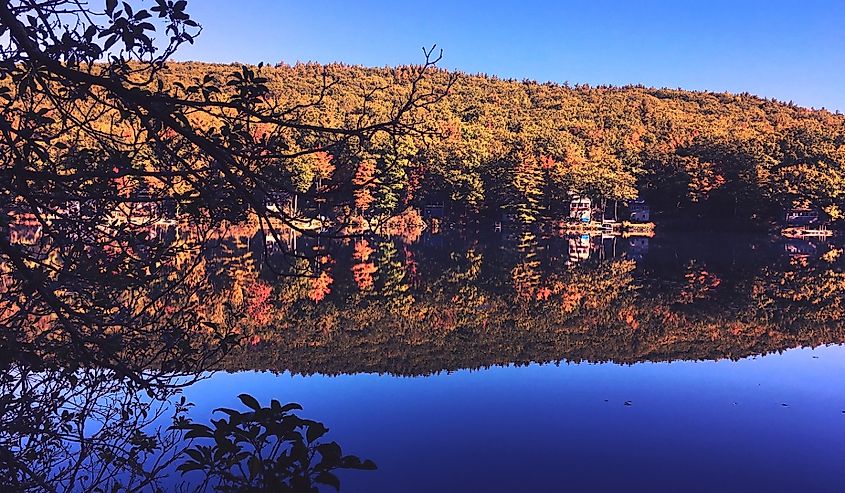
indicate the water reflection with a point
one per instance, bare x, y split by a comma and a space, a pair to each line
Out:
455, 301
91, 412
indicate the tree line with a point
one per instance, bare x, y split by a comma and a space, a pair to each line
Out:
492, 147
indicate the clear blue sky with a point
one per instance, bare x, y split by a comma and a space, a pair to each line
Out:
790, 50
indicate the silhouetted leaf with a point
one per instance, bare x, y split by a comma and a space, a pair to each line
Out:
249, 401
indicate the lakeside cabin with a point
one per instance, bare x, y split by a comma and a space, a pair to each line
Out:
799, 248
803, 216
584, 210
581, 209
804, 222
579, 249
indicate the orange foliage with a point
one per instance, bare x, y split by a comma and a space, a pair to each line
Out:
699, 283
362, 251
257, 308
543, 293
320, 287
362, 273
408, 225
363, 181
323, 166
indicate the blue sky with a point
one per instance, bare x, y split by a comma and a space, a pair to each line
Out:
789, 50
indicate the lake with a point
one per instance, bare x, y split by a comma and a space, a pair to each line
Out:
706, 363
772, 423
528, 360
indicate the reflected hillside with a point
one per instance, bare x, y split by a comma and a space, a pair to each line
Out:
467, 300
420, 303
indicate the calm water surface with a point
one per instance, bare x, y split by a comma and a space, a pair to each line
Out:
719, 370
772, 423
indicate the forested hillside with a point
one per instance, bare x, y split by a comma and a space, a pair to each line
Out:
497, 146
